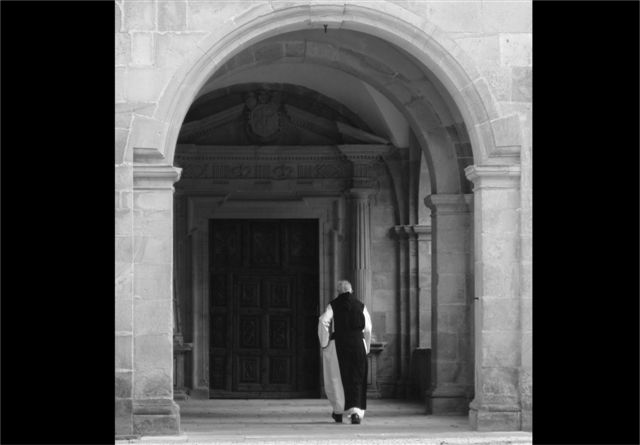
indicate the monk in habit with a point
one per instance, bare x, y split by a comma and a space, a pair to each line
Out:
345, 337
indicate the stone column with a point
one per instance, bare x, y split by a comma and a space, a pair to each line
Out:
423, 238
364, 183
451, 355
154, 411
496, 405
360, 250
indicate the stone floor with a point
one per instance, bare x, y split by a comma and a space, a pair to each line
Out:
308, 421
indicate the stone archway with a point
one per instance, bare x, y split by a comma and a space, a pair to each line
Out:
495, 141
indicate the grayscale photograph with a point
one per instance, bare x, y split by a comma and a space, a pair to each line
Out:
323, 222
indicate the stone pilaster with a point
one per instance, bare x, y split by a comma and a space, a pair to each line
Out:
422, 235
362, 158
360, 250
451, 362
496, 405
154, 411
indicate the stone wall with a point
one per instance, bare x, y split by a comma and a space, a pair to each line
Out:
155, 39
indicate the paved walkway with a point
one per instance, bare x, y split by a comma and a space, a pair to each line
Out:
308, 421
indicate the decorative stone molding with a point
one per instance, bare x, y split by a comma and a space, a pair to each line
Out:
363, 158
493, 176
449, 204
148, 174
417, 231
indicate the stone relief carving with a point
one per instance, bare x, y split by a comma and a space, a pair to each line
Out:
264, 114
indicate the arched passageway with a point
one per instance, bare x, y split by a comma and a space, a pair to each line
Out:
408, 123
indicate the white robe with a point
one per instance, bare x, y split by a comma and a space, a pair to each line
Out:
330, 368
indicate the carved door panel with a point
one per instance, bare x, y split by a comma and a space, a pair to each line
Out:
264, 308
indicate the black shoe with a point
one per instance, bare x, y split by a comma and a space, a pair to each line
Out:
355, 419
337, 417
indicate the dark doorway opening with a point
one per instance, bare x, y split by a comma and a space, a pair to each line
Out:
263, 307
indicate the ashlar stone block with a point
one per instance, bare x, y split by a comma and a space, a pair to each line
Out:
172, 15
142, 53
120, 85
123, 417
507, 16
172, 50
153, 223
150, 383
458, 16
521, 87
123, 384
124, 346
515, 49
124, 313
499, 381
153, 365
500, 81
500, 348
152, 281
139, 15
123, 48
145, 84
153, 200
120, 144
500, 314
152, 317
152, 250
484, 50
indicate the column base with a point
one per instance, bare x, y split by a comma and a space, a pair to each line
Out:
495, 418
199, 393
156, 417
449, 401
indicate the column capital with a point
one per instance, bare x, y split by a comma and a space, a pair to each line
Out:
360, 193
493, 176
151, 172
449, 204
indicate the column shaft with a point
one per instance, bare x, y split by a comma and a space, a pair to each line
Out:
451, 354
496, 405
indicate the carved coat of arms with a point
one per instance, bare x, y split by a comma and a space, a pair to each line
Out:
264, 115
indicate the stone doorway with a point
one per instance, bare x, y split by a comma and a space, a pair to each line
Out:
263, 304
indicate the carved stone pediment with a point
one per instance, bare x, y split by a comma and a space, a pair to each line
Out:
265, 116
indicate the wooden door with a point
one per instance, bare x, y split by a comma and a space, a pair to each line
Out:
264, 308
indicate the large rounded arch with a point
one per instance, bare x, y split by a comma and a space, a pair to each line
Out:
490, 136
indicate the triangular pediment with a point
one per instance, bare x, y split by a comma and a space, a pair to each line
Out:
273, 116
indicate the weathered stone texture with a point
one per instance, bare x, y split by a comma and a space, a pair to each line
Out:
123, 384
123, 352
456, 16
145, 84
153, 352
515, 49
120, 145
124, 313
500, 349
522, 84
140, 15
152, 281
507, 16
123, 49
484, 50
173, 49
123, 417
172, 15
153, 317
142, 49
120, 85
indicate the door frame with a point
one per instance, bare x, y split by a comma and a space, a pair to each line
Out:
328, 210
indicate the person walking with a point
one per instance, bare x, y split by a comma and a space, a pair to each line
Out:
344, 330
